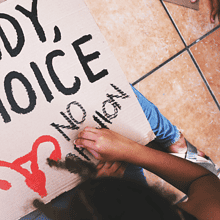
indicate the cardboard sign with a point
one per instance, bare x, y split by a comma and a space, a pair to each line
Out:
58, 75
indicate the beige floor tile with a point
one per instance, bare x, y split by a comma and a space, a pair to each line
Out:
181, 95
139, 33
207, 55
192, 24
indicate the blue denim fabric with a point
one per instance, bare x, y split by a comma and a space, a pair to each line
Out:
166, 134
134, 172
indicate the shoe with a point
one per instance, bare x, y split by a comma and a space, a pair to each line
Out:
192, 155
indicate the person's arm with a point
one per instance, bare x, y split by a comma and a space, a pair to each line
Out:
184, 175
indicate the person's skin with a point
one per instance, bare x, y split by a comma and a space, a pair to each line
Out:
117, 169
107, 168
201, 186
110, 168
215, 9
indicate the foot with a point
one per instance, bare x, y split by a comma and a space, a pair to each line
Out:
181, 147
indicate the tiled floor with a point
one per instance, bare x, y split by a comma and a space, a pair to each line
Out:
179, 72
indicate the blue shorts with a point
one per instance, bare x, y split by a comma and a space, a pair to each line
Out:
166, 135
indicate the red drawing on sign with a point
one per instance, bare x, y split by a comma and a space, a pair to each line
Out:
35, 180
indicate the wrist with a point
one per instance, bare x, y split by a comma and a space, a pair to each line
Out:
133, 154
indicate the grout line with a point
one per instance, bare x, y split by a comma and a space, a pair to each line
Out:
204, 36
204, 79
174, 24
187, 48
158, 67
149, 73
191, 55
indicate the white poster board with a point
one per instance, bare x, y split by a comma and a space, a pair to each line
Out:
58, 75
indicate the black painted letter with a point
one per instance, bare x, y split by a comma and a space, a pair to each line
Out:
56, 80
44, 87
9, 92
20, 36
70, 119
34, 19
4, 113
85, 59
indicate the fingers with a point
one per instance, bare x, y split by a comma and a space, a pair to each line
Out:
91, 129
215, 10
89, 134
95, 154
86, 138
84, 143
213, 14
115, 169
104, 143
100, 165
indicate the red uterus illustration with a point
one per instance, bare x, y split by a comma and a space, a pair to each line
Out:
37, 179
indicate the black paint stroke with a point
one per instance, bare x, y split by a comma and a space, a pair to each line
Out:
103, 117
6, 117
20, 37
42, 83
9, 92
123, 94
115, 106
112, 101
80, 151
102, 125
57, 34
54, 77
85, 59
58, 127
33, 16
70, 115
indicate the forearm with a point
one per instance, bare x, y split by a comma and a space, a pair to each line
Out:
201, 186
177, 171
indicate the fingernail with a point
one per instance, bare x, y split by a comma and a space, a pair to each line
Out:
79, 146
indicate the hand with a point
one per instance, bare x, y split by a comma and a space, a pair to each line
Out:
115, 169
104, 144
215, 9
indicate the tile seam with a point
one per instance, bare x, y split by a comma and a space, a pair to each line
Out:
204, 36
174, 56
187, 48
158, 67
191, 55
173, 22
203, 78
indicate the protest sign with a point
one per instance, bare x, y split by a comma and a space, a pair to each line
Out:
58, 75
